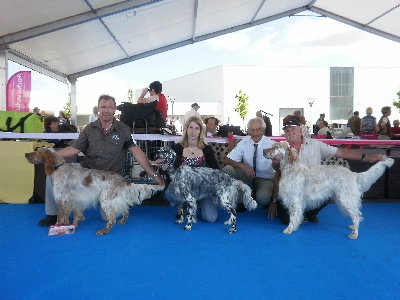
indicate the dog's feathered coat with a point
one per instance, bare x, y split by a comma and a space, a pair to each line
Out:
189, 184
77, 188
303, 187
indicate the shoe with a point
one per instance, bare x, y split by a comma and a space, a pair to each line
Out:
48, 221
240, 208
311, 219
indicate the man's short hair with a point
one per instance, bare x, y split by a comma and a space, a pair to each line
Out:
106, 97
212, 118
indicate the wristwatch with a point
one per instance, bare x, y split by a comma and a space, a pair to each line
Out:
363, 159
154, 176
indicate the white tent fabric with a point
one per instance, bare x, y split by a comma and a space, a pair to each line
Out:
74, 38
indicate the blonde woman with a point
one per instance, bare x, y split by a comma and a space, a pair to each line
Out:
194, 151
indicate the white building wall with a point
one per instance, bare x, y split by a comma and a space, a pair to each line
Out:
274, 89
376, 87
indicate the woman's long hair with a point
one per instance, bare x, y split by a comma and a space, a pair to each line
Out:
201, 140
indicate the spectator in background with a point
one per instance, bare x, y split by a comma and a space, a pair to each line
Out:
228, 122
316, 126
385, 129
193, 112
368, 123
268, 128
355, 123
323, 128
94, 116
62, 118
36, 110
212, 126
178, 124
396, 127
51, 126
155, 89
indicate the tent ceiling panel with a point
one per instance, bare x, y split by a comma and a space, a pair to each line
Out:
275, 7
361, 11
61, 49
17, 15
386, 24
81, 37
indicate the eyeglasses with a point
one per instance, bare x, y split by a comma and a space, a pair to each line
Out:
107, 107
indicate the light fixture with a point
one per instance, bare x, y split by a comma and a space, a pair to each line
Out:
131, 13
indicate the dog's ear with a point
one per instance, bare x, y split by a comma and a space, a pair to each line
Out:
48, 159
292, 156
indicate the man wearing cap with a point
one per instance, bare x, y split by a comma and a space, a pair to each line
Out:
193, 112
310, 151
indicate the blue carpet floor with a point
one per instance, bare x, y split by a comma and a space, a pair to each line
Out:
152, 258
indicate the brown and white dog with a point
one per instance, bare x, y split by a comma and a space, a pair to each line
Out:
77, 188
303, 187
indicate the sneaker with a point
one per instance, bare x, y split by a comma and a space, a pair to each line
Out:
311, 219
48, 221
240, 208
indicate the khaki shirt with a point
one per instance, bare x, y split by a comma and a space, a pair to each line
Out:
104, 151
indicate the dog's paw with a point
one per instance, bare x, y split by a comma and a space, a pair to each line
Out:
351, 227
288, 230
187, 227
178, 221
232, 230
102, 232
353, 235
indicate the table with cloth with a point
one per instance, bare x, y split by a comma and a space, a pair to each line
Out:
17, 175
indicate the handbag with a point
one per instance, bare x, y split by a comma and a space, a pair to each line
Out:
21, 122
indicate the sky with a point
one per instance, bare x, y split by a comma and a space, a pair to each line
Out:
291, 41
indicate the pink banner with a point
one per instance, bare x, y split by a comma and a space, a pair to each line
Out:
19, 92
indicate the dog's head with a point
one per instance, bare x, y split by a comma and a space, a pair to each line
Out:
166, 157
45, 155
283, 148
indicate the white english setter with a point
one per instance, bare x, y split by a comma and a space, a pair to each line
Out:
77, 188
189, 184
303, 187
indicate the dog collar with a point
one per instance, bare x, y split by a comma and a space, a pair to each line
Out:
56, 167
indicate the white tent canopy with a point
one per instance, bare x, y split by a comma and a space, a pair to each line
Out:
70, 39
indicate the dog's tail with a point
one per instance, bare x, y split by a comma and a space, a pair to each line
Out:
248, 201
366, 179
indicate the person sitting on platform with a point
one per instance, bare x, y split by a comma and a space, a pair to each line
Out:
323, 128
247, 163
396, 127
212, 126
368, 123
355, 123
309, 151
155, 89
385, 129
105, 143
194, 151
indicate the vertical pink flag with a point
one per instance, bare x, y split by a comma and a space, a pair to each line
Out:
19, 92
